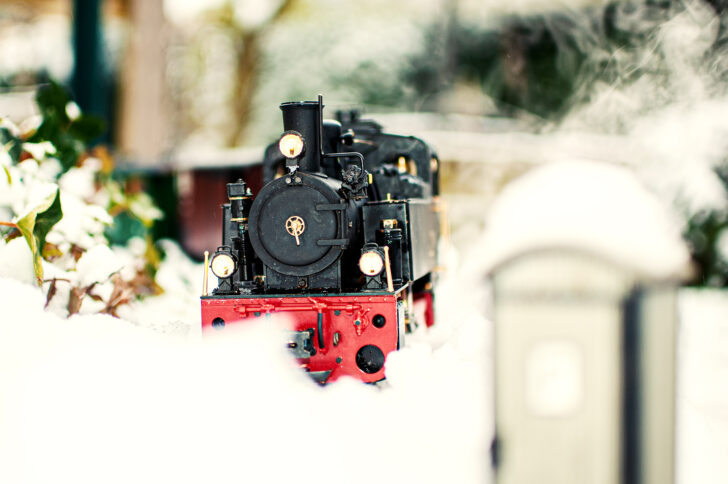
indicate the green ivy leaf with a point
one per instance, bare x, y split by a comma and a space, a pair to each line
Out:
125, 227
87, 128
45, 221
11, 144
69, 136
52, 100
36, 225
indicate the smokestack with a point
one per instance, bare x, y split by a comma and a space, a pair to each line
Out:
305, 117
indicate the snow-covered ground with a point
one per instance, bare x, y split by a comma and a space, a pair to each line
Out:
99, 399
702, 400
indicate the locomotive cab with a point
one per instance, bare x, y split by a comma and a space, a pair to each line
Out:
342, 237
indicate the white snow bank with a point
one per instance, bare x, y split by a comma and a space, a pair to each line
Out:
16, 260
702, 394
177, 310
96, 399
96, 265
588, 206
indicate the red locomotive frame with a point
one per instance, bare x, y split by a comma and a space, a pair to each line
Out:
347, 323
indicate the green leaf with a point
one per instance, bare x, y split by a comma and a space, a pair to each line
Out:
11, 144
52, 100
69, 136
36, 225
45, 221
87, 128
125, 227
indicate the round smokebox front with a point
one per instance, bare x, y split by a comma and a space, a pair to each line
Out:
291, 229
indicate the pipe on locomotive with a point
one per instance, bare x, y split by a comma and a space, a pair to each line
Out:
304, 117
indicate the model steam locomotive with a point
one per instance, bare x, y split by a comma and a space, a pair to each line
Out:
342, 238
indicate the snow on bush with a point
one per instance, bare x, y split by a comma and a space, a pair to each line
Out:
57, 199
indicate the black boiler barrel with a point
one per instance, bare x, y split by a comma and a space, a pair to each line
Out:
304, 118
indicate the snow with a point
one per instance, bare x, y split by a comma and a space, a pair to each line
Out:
702, 400
17, 260
40, 150
82, 223
79, 181
590, 206
73, 111
177, 310
146, 399
95, 396
34, 191
96, 265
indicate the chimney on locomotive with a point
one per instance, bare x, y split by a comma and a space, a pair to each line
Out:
301, 143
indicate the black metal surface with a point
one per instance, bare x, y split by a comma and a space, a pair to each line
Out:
631, 398
307, 248
320, 377
420, 226
328, 279
282, 199
320, 329
392, 238
399, 253
304, 117
380, 151
424, 230
236, 217
370, 359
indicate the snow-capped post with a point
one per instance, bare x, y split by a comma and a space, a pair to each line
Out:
584, 265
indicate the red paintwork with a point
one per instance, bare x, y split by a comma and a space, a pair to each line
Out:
304, 311
424, 307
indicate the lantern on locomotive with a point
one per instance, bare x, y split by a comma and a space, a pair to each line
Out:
342, 238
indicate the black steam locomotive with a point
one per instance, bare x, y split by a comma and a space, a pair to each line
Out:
342, 238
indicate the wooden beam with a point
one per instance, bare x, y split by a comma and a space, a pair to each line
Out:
142, 128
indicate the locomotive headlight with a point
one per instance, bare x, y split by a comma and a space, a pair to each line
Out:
222, 265
371, 263
291, 144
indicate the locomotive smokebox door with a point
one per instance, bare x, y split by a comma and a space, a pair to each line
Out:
298, 229
585, 329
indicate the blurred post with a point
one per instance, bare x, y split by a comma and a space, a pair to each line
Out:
585, 334
88, 82
142, 131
